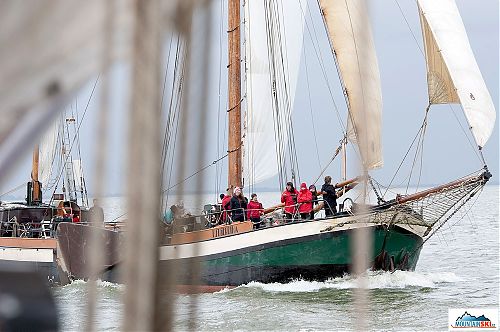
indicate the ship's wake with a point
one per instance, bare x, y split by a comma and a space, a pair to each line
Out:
375, 280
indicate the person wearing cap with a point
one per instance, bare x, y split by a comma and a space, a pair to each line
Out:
329, 197
289, 197
238, 205
304, 198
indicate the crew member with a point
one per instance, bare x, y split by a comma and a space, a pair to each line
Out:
304, 199
289, 197
329, 197
238, 205
254, 211
96, 213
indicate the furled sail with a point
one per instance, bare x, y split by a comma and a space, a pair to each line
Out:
453, 75
351, 39
263, 116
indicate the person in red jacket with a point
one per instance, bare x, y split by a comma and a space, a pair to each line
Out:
225, 206
305, 202
289, 197
254, 211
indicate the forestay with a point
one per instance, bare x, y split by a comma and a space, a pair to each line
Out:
352, 42
260, 149
453, 75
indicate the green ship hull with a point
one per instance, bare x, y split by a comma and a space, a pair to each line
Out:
315, 257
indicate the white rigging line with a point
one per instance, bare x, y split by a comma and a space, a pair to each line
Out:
319, 57
311, 110
221, 34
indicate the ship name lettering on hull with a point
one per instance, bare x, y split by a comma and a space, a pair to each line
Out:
228, 230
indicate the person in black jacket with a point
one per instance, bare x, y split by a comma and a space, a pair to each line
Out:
329, 197
96, 212
238, 205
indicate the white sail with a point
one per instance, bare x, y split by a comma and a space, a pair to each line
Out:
259, 142
351, 38
453, 75
47, 154
78, 174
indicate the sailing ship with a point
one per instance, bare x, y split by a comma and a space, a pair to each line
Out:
236, 253
27, 233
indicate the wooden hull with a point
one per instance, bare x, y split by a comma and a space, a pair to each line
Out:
34, 254
73, 251
284, 253
23, 242
312, 250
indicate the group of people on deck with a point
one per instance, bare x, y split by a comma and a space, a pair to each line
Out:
302, 202
296, 203
238, 208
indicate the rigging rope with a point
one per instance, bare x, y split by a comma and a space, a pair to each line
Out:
166, 136
404, 158
339, 75
331, 160
74, 139
83, 189
282, 108
310, 109
175, 116
167, 128
419, 145
276, 115
456, 207
13, 190
409, 27
221, 36
197, 172
319, 57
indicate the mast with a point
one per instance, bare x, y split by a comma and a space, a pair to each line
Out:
344, 161
234, 95
34, 188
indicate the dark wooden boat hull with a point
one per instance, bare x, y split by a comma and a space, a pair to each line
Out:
315, 257
73, 251
31, 254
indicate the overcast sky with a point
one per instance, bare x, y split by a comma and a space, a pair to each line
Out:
448, 153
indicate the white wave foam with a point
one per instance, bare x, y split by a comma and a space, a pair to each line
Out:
376, 280
293, 286
100, 284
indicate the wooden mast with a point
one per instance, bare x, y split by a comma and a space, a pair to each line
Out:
344, 161
234, 95
36, 190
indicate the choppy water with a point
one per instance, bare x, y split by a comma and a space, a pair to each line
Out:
458, 268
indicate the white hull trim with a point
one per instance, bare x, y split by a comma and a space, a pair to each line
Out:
26, 255
267, 235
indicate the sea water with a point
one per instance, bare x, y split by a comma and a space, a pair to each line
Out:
458, 268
